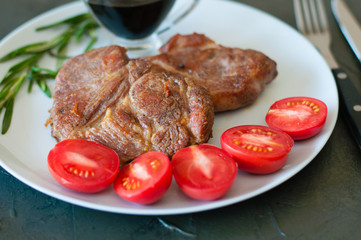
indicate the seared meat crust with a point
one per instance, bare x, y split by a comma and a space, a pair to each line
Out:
131, 106
233, 76
162, 103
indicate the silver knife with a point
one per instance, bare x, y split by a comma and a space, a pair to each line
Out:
348, 25
348, 94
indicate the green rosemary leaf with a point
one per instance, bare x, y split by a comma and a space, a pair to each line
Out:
8, 77
4, 93
21, 65
48, 45
9, 105
90, 45
37, 69
14, 70
11, 89
63, 46
21, 51
34, 48
65, 40
78, 26
55, 55
44, 87
40, 75
82, 30
72, 20
43, 76
6, 90
31, 82
94, 37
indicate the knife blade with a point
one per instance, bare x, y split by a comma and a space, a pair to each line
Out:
348, 25
349, 95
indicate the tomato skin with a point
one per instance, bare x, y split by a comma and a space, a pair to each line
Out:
299, 117
204, 172
146, 179
82, 165
257, 149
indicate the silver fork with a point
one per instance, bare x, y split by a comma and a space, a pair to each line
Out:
311, 20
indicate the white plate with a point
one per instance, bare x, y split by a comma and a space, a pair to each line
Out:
302, 71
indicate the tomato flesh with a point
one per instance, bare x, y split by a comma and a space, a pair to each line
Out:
146, 179
82, 165
204, 172
300, 117
257, 149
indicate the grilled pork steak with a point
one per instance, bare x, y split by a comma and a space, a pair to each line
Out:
234, 77
131, 106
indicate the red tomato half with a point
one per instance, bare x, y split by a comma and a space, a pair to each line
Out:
204, 172
300, 117
83, 165
257, 149
146, 179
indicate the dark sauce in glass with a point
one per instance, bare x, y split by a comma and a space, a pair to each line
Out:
131, 21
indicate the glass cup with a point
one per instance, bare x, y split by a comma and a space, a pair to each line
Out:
135, 24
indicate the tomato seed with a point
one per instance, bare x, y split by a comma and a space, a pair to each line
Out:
125, 181
270, 149
312, 105
130, 184
154, 164
80, 173
257, 148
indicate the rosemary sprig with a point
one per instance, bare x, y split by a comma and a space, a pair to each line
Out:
28, 68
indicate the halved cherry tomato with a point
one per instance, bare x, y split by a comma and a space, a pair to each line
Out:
82, 165
300, 117
204, 172
257, 149
146, 179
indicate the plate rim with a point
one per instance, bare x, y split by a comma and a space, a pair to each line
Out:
149, 210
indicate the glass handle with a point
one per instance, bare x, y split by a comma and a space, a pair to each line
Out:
185, 10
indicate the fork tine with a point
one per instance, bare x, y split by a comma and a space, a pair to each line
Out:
312, 22
299, 16
314, 15
308, 15
322, 16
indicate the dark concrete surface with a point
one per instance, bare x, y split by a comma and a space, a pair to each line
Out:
323, 201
